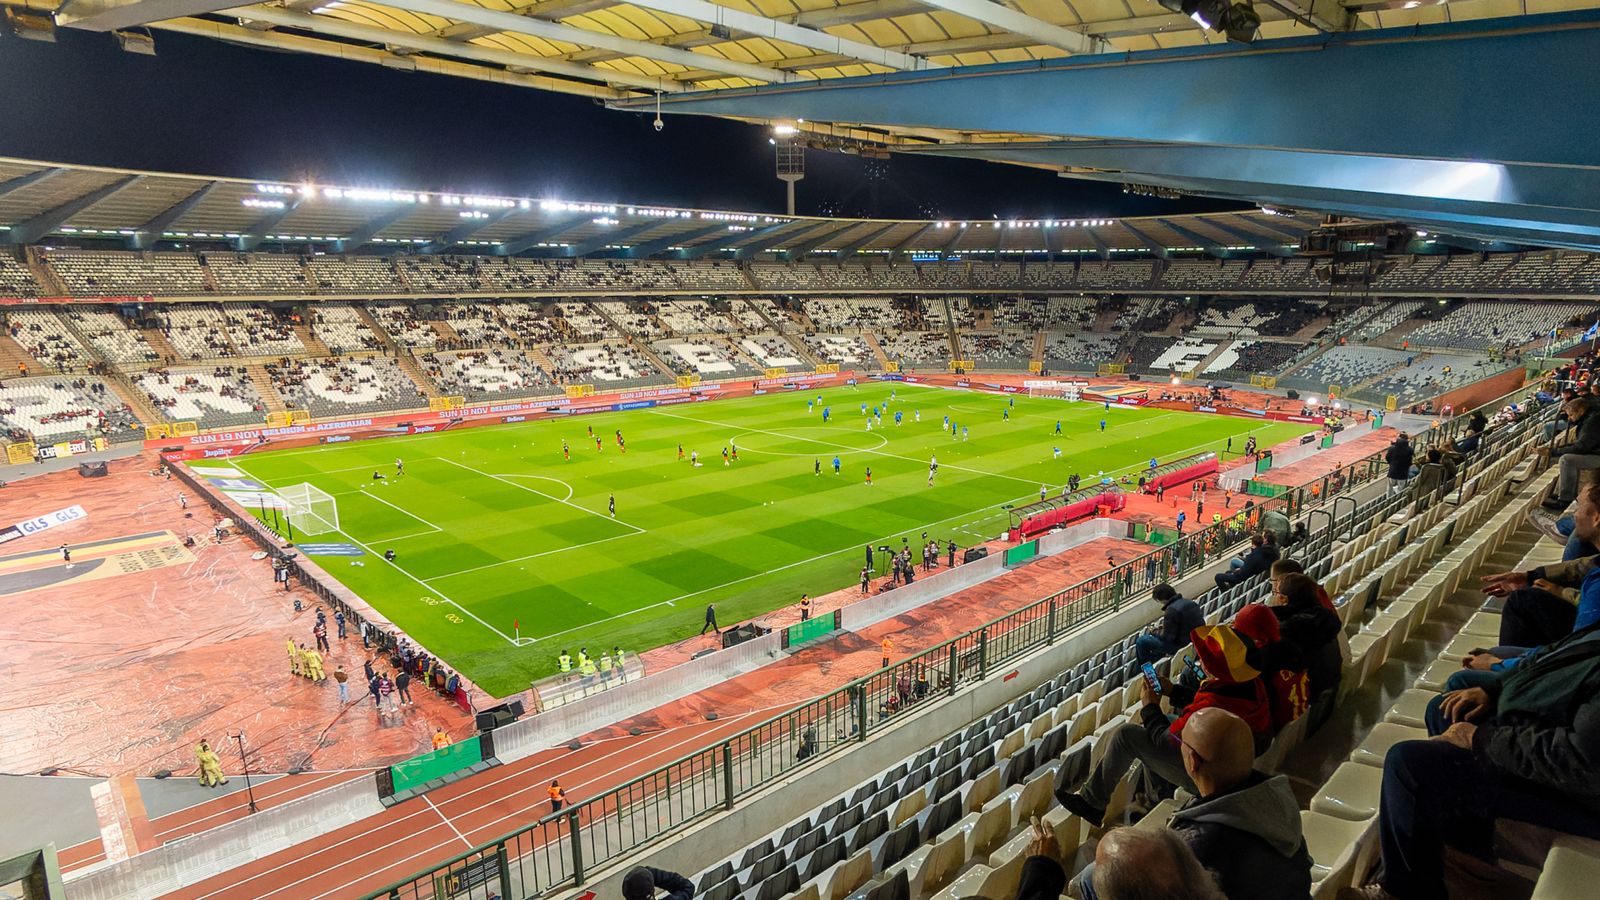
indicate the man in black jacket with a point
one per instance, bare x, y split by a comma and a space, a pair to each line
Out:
1523, 747
1399, 457
1243, 826
642, 882
1577, 456
1259, 559
1309, 630
1179, 617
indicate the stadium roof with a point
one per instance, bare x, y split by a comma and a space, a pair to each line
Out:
40, 201
1452, 116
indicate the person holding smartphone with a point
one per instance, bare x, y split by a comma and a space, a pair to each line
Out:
1179, 617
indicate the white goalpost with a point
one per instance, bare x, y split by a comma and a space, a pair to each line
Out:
311, 510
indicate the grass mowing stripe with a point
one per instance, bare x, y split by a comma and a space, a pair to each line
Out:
749, 537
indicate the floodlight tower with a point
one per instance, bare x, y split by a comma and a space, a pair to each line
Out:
791, 158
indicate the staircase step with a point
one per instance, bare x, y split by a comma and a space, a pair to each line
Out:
264, 386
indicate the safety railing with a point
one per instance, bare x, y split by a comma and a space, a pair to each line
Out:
559, 848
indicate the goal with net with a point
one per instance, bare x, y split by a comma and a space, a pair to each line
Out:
310, 509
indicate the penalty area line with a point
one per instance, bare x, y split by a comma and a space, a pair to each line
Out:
398, 568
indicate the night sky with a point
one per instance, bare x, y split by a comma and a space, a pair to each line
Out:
202, 106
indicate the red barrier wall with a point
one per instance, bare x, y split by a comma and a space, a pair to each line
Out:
1066, 515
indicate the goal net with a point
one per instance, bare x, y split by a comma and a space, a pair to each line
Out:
311, 510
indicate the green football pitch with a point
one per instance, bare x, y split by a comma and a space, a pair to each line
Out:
506, 553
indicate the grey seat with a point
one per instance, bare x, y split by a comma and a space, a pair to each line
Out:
845, 821
899, 845
826, 855
754, 853
779, 885
869, 831
714, 876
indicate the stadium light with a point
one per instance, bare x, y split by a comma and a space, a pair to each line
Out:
782, 130
1311, 400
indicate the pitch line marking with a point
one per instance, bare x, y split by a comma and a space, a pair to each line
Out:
398, 568
446, 820
507, 562
821, 556
522, 487
507, 775
407, 512
838, 447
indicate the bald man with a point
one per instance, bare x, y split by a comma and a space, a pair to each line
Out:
1244, 826
1147, 863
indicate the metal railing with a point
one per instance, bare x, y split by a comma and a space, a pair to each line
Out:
560, 848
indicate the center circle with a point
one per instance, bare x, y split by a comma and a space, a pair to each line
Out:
810, 440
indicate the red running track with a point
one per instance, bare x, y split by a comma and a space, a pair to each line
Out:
217, 811
406, 838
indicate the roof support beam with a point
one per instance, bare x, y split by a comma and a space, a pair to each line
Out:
463, 231
1272, 246
150, 232
22, 181
549, 10
761, 26
279, 41
510, 22
1051, 244
899, 250
1210, 246
731, 237
944, 252
765, 240
1007, 19
855, 244
260, 230
599, 241
851, 13
1100, 245
355, 31
370, 228
1155, 246
651, 248
797, 252
1325, 16
1266, 98
543, 235
51, 219
114, 15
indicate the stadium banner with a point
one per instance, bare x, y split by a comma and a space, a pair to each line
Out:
69, 448
419, 770
809, 630
1021, 553
41, 523
57, 301
17, 454
225, 443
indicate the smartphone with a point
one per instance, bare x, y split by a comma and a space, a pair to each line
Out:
1194, 667
1151, 678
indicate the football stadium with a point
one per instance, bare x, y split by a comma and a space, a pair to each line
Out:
871, 450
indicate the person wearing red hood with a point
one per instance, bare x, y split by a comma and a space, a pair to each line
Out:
1229, 682
1288, 686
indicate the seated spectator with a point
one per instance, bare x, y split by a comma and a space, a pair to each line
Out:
1146, 863
1292, 567
1282, 671
1179, 616
1522, 747
1243, 826
1310, 632
643, 881
1229, 682
1256, 561
1537, 604
1549, 602
1578, 455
